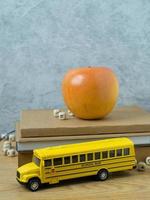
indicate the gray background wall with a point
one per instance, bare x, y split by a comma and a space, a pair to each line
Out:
41, 39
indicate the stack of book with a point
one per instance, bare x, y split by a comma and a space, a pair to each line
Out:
39, 128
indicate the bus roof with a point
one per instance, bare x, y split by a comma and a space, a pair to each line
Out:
69, 149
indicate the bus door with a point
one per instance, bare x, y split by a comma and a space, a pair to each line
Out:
50, 174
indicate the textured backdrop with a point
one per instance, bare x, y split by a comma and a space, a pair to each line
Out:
41, 39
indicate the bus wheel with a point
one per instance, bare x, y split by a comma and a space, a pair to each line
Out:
102, 175
33, 184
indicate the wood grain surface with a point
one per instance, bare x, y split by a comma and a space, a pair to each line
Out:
122, 185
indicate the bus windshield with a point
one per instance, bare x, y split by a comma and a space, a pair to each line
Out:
36, 160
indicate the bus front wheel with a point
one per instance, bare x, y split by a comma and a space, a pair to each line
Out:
102, 175
33, 184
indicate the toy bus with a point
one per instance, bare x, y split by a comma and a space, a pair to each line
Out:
54, 164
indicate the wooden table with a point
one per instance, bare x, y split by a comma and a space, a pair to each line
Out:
123, 185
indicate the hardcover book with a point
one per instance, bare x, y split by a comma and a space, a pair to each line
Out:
42, 123
39, 128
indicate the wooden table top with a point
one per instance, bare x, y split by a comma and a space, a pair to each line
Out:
121, 185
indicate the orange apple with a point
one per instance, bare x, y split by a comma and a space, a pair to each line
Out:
90, 92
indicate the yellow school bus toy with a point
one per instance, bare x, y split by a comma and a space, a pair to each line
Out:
54, 164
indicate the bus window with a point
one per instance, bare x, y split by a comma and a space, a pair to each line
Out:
105, 154
97, 155
112, 153
126, 151
36, 160
47, 163
75, 159
57, 161
90, 156
67, 160
119, 152
82, 157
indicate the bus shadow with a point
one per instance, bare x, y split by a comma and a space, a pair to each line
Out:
88, 179
70, 182
121, 174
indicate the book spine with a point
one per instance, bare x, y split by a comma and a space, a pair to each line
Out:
29, 146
